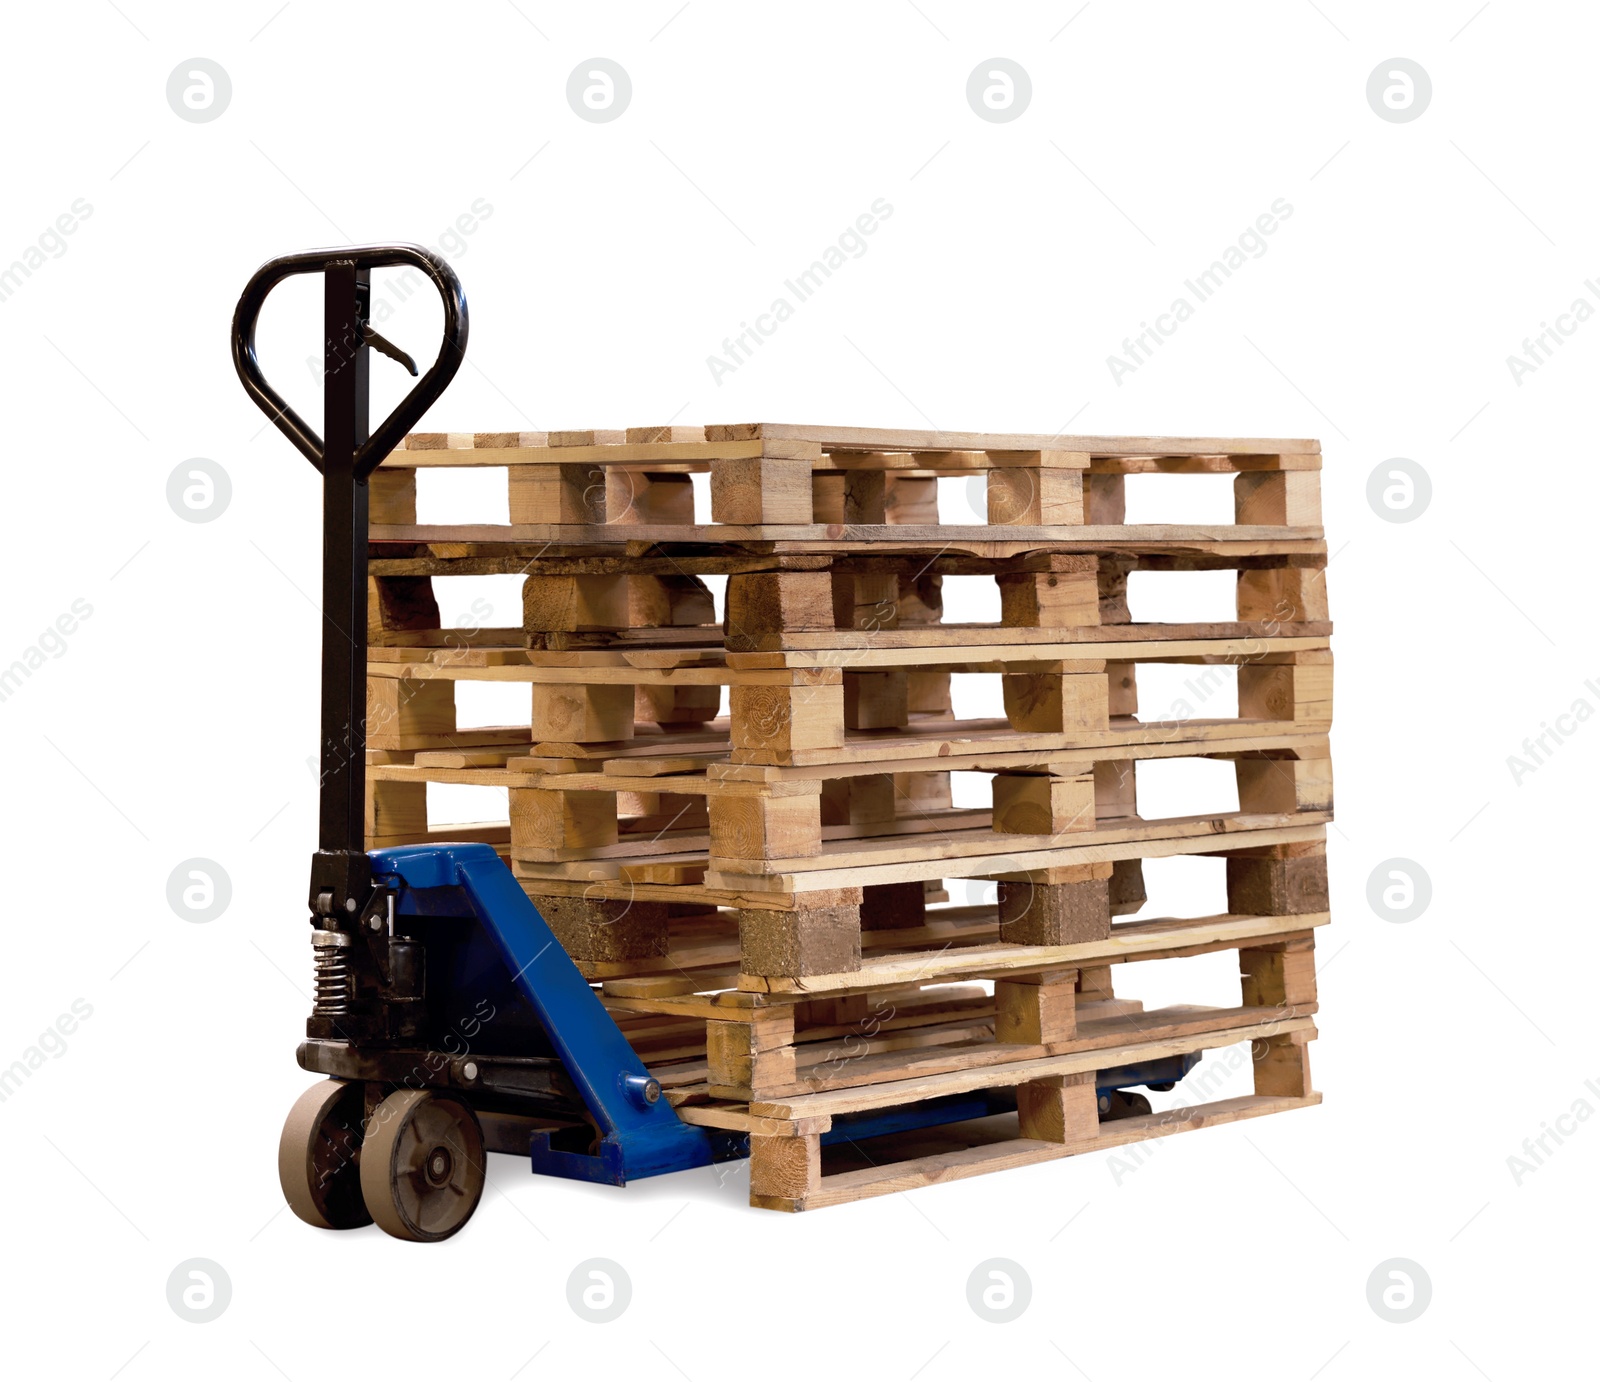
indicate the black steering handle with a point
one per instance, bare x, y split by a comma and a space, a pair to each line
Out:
422, 396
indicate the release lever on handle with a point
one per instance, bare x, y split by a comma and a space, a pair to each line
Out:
357, 262
389, 348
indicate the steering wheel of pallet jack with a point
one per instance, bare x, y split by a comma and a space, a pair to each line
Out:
319, 1156
422, 1168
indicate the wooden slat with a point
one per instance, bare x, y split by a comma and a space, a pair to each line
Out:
973, 656
903, 439
878, 1062
1202, 836
943, 753
1117, 637
834, 1102
695, 775
880, 539
849, 1186
958, 846
695, 668
663, 456
1139, 940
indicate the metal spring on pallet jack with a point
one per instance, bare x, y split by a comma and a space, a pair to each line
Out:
332, 973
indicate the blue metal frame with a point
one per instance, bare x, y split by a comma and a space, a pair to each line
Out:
639, 1137
1166, 1070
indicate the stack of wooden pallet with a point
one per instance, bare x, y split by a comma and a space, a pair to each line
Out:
761, 893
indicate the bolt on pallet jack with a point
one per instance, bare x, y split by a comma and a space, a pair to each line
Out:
447, 1017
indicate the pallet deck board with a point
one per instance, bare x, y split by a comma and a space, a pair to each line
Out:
834, 1102
1225, 539
1128, 941
744, 439
980, 859
981, 746
1008, 1153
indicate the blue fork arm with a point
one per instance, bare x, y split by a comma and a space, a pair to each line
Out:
638, 1137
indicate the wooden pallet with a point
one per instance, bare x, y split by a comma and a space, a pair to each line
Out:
790, 1068
758, 893
827, 599
789, 1172
628, 868
811, 710
786, 483
903, 1016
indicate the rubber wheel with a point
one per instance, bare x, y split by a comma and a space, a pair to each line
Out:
319, 1156
422, 1168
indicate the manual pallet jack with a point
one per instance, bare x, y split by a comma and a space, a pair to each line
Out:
444, 1005
447, 1018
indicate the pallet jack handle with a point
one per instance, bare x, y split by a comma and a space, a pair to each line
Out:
341, 875
636, 1130
347, 301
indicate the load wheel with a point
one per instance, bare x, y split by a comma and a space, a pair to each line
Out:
1122, 1103
422, 1167
319, 1156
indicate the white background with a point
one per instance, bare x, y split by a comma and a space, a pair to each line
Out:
178, 720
